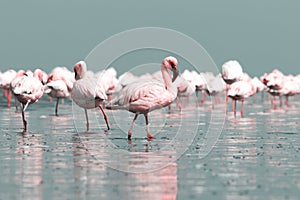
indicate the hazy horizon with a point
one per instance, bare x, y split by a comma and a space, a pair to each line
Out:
260, 35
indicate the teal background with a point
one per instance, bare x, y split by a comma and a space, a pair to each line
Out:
262, 35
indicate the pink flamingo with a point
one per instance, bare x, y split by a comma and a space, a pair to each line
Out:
275, 83
14, 82
5, 80
260, 87
59, 84
87, 92
108, 78
144, 96
240, 90
28, 90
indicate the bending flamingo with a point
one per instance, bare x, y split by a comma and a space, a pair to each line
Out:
28, 90
87, 92
144, 96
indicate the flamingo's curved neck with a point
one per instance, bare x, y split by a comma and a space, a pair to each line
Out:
166, 76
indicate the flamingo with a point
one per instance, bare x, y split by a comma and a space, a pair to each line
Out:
5, 80
275, 83
14, 82
240, 90
232, 71
59, 84
214, 86
28, 90
108, 79
200, 87
259, 86
144, 96
87, 92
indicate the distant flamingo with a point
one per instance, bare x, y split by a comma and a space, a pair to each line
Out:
215, 86
108, 78
260, 87
59, 84
232, 71
5, 80
240, 90
28, 90
275, 83
144, 96
87, 92
14, 82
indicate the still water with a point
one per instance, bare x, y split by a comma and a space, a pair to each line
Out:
255, 157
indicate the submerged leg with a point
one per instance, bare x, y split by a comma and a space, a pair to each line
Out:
131, 126
8, 98
197, 97
23, 117
287, 101
104, 116
56, 107
234, 106
87, 120
242, 109
147, 127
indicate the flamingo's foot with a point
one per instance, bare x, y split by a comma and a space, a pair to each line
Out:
129, 135
150, 136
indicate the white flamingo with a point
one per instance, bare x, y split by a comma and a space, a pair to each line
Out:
144, 96
87, 92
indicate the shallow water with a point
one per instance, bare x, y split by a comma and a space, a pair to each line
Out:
255, 157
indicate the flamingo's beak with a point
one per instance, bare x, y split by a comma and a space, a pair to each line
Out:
76, 76
175, 74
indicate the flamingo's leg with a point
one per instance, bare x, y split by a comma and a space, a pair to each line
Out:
23, 115
131, 126
234, 106
87, 120
56, 107
8, 98
197, 98
242, 109
104, 116
287, 101
149, 135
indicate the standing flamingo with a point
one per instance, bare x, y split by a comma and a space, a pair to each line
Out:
144, 96
28, 90
87, 92
232, 71
59, 84
240, 90
5, 80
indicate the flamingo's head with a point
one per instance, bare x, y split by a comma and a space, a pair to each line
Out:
171, 63
80, 68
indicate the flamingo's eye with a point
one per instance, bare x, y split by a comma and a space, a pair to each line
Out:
172, 65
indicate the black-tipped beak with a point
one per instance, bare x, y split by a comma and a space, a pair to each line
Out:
76, 76
175, 74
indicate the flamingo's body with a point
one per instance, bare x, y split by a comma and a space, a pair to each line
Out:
28, 90
87, 92
241, 90
144, 96
232, 71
